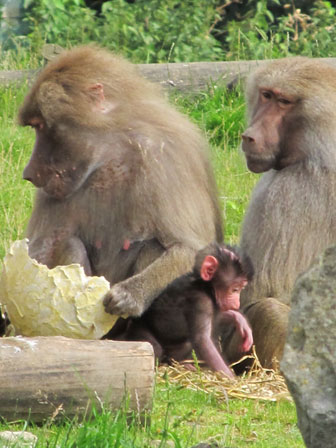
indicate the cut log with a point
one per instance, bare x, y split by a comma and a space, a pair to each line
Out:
45, 377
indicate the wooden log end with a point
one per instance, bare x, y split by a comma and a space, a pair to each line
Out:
45, 377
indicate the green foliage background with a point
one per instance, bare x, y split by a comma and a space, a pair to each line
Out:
175, 31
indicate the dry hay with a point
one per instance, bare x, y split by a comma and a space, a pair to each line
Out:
257, 384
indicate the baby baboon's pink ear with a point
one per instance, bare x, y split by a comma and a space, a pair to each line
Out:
209, 268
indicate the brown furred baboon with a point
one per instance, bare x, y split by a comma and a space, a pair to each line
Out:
291, 217
124, 183
188, 314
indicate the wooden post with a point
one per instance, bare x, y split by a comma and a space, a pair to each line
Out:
47, 376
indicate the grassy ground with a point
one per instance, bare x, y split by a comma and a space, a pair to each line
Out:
16, 143
182, 417
179, 415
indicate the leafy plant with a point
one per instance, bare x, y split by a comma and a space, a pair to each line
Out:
259, 34
66, 22
253, 36
312, 35
155, 31
174, 31
161, 31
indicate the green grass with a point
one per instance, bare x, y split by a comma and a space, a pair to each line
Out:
185, 417
22, 58
15, 145
180, 415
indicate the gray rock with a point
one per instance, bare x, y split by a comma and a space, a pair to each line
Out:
166, 444
17, 439
211, 445
206, 445
309, 361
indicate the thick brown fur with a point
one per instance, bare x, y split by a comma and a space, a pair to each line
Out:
291, 216
134, 194
291, 219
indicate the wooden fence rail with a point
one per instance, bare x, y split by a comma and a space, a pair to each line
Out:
192, 76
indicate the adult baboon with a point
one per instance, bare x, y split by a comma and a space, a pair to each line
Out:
125, 186
291, 218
